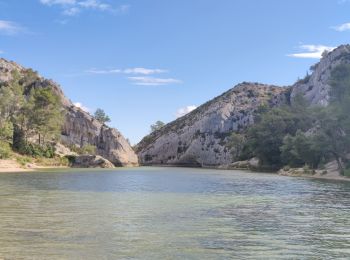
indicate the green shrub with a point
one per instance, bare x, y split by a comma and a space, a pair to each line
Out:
70, 158
35, 150
88, 149
5, 150
64, 161
346, 172
308, 170
23, 160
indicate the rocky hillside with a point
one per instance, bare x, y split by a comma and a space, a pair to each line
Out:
315, 87
80, 128
199, 138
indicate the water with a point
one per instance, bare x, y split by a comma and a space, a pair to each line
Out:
169, 213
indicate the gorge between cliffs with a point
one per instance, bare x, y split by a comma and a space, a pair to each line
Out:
217, 134
174, 130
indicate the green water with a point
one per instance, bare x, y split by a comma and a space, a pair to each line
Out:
172, 213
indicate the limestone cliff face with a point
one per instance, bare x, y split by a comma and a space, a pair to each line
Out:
80, 128
198, 138
315, 88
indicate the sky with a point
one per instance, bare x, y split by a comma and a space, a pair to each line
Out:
149, 60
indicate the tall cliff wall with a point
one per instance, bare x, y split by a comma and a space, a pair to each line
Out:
79, 127
199, 138
315, 88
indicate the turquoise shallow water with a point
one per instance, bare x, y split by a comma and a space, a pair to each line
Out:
172, 213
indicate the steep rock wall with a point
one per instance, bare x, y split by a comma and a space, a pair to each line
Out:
79, 127
199, 138
315, 88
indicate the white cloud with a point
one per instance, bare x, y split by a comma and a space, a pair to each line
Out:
10, 28
58, 2
143, 71
109, 71
184, 110
71, 11
142, 75
135, 71
81, 106
150, 81
312, 51
341, 28
1, 52
94, 4
73, 7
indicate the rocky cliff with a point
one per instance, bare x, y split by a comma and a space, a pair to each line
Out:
315, 87
199, 138
79, 127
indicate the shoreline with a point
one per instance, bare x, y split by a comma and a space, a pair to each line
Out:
317, 176
332, 176
12, 166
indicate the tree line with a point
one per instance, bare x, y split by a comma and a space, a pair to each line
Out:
301, 135
31, 117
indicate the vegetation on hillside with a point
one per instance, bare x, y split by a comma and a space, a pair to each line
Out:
30, 117
101, 116
157, 125
298, 135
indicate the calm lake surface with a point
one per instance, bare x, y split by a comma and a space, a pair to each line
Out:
172, 213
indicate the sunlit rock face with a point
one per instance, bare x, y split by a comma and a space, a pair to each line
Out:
315, 88
199, 138
79, 127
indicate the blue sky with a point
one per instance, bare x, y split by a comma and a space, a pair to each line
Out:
149, 60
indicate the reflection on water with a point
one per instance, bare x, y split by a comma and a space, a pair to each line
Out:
169, 213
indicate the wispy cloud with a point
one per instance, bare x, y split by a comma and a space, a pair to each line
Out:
151, 81
1, 52
142, 75
74, 7
135, 71
9, 28
58, 2
342, 27
184, 110
71, 11
311, 51
94, 4
98, 71
144, 71
81, 106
